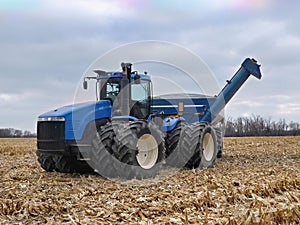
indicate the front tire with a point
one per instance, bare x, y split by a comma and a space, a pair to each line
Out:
46, 162
69, 164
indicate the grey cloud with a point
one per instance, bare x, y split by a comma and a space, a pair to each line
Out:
46, 51
265, 106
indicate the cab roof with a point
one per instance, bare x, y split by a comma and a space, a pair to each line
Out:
107, 75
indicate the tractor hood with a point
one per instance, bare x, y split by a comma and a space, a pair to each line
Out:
77, 116
67, 110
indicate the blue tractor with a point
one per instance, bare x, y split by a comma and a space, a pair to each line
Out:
127, 133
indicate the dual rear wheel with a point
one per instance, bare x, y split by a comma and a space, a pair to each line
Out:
196, 146
128, 150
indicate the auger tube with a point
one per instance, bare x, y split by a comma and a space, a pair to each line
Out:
249, 66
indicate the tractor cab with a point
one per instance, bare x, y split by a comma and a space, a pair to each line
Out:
129, 93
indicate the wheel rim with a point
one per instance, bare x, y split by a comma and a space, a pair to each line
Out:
208, 147
147, 151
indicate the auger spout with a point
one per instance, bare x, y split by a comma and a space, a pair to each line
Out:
249, 66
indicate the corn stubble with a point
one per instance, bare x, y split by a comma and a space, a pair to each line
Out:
256, 182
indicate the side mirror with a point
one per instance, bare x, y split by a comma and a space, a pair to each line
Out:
85, 85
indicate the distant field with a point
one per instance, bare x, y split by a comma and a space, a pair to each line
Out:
256, 182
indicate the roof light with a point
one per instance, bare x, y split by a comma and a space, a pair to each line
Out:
118, 74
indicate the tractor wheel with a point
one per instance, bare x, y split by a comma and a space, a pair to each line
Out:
140, 149
46, 162
128, 150
173, 152
103, 160
69, 164
219, 142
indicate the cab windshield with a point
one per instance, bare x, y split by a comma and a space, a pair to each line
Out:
140, 96
140, 99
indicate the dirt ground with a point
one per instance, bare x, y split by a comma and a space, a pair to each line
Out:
256, 182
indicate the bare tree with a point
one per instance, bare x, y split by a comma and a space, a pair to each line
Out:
15, 133
259, 126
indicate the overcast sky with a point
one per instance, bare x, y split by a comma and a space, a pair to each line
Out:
47, 45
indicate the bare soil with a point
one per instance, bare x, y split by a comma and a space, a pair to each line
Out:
256, 182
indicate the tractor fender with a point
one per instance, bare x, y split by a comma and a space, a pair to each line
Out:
170, 123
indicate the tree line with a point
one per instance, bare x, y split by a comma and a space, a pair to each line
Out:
259, 126
239, 127
15, 133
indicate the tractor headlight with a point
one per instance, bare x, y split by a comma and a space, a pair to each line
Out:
55, 118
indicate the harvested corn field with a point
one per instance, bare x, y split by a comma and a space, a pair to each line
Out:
256, 182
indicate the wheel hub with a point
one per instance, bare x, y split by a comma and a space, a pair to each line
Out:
147, 151
208, 147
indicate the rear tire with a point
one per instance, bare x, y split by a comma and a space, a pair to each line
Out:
208, 147
103, 160
190, 144
173, 152
219, 135
117, 150
140, 148
199, 142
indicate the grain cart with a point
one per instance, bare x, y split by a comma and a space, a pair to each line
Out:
127, 133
